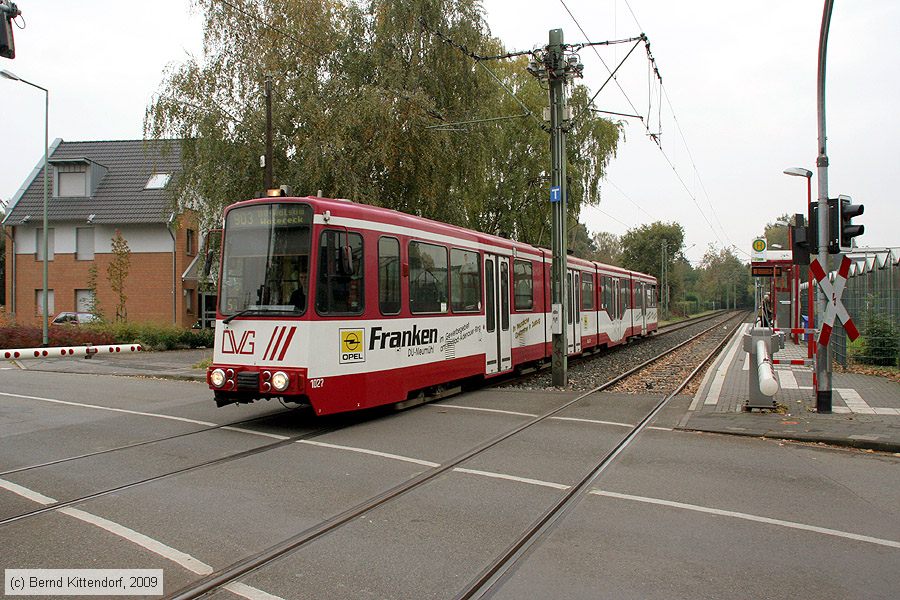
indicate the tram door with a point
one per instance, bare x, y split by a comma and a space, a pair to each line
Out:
498, 341
573, 312
642, 306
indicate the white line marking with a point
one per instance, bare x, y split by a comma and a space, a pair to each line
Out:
887, 411
746, 366
107, 408
592, 421
716, 388
417, 461
854, 401
575, 419
787, 380
490, 410
242, 589
185, 560
26, 493
550, 484
146, 414
253, 432
749, 517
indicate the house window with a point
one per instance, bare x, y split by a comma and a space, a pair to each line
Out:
189, 242
71, 181
158, 181
84, 300
189, 300
84, 243
39, 302
39, 239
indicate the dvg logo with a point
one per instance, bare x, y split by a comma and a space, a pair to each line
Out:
353, 346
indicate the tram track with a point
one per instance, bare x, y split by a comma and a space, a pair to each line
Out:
223, 426
202, 465
262, 558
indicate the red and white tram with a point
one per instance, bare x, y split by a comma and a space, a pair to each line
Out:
346, 306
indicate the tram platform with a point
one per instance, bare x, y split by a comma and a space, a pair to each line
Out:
865, 409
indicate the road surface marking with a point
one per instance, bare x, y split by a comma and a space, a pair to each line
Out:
854, 401
749, 517
26, 493
538, 482
187, 561
490, 410
575, 419
110, 409
147, 414
417, 461
787, 380
719, 379
746, 366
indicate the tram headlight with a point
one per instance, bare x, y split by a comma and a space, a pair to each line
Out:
217, 378
280, 381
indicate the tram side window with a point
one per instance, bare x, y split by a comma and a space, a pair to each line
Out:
606, 294
427, 278
389, 276
587, 291
523, 285
465, 281
339, 285
653, 296
626, 297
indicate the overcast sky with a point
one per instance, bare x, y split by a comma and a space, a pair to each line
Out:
740, 76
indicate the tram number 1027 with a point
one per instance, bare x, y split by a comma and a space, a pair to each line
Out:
316, 383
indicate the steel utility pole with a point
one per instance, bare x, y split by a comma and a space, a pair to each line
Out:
556, 72
823, 357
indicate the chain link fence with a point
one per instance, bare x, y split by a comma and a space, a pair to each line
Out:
872, 298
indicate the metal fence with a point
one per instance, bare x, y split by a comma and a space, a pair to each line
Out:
872, 298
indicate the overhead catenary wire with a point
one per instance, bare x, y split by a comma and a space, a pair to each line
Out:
654, 73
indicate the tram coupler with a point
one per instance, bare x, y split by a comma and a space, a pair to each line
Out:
761, 343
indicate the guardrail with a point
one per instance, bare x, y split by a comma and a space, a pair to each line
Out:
67, 351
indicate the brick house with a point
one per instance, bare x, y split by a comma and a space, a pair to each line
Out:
96, 188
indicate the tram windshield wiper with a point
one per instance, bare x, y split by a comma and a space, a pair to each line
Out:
251, 309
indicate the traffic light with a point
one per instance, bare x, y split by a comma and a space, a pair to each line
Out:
841, 213
800, 243
8, 12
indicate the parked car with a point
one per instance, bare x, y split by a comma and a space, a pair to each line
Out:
73, 318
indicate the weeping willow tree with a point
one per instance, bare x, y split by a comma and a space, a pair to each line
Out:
366, 106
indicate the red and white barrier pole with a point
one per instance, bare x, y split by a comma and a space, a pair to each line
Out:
67, 351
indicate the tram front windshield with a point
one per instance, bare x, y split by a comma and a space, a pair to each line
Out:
265, 261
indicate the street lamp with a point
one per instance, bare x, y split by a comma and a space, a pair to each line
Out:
8, 75
810, 301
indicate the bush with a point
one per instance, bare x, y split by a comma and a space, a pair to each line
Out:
152, 337
880, 346
157, 337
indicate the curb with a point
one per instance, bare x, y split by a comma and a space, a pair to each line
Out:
881, 446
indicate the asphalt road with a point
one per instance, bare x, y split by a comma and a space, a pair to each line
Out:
678, 515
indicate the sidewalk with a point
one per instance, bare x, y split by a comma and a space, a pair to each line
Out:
865, 409
173, 364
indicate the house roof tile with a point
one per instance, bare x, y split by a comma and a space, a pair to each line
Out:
120, 197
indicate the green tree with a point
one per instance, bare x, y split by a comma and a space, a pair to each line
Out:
358, 88
93, 305
117, 272
776, 232
609, 248
722, 277
642, 247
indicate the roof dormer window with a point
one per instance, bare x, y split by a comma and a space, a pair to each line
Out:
71, 181
158, 181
